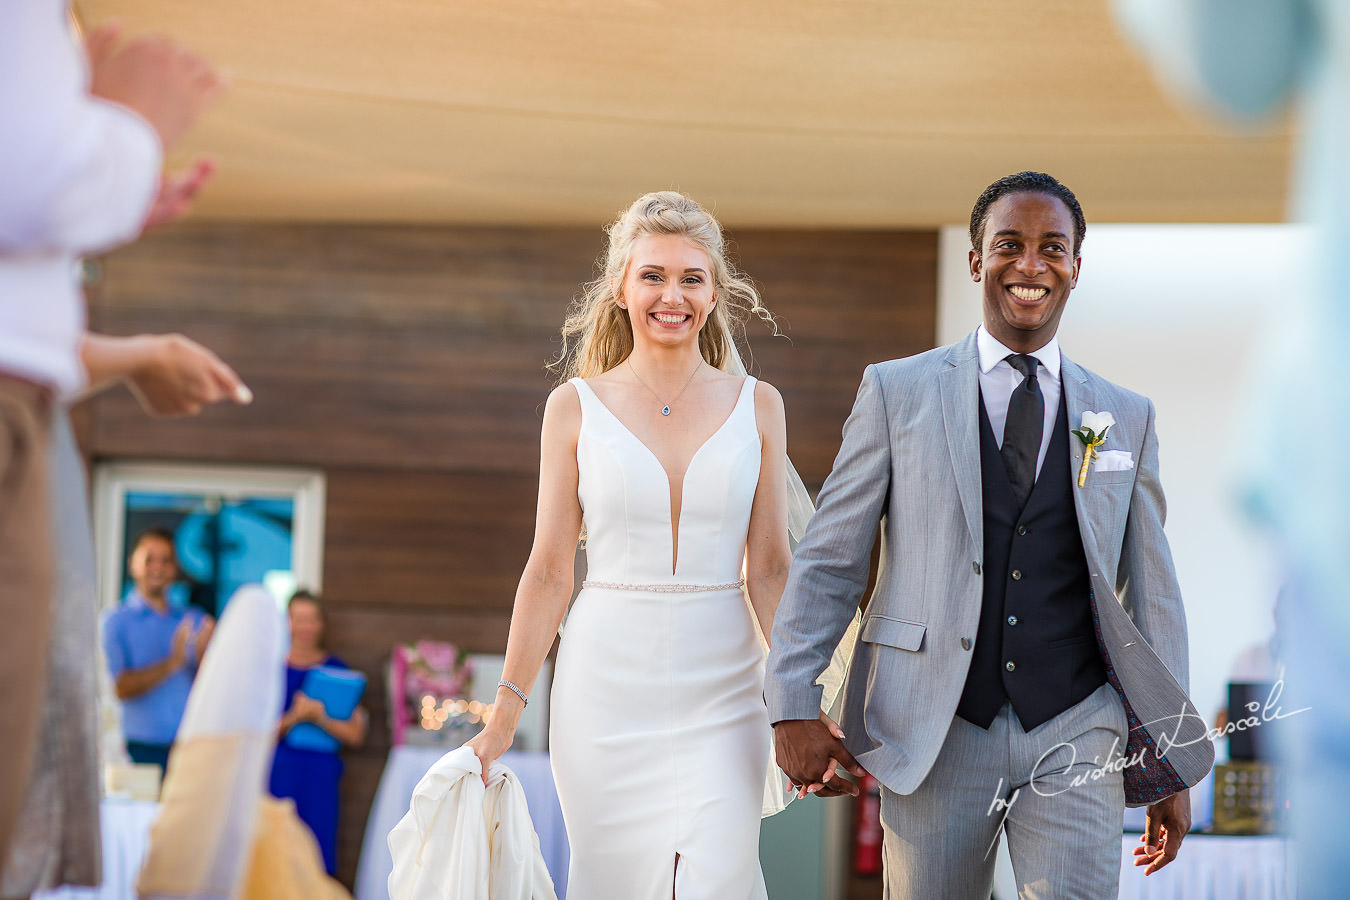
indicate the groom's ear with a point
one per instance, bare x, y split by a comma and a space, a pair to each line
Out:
976, 265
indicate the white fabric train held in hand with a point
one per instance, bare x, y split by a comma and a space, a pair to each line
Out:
460, 841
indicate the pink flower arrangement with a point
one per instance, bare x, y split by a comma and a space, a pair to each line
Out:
426, 668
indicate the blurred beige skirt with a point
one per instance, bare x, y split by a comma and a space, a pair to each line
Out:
56, 840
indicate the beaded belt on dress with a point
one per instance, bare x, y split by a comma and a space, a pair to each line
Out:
665, 588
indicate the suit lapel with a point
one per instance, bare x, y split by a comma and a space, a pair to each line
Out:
1078, 397
960, 388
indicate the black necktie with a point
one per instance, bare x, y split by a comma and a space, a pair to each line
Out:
1024, 429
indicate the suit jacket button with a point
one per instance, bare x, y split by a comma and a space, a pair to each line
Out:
1017, 575
1012, 620
1010, 665
965, 643
1021, 529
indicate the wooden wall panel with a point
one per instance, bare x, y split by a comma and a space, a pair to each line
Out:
844, 299
408, 364
427, 540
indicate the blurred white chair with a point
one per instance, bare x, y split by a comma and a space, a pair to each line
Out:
202, 842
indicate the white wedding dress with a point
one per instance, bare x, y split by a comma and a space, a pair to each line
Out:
659, 735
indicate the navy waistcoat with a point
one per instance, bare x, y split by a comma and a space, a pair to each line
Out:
1035, 646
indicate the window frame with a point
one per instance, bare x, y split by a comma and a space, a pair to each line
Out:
305, 488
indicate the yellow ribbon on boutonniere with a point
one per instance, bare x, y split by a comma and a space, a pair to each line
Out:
1092, 432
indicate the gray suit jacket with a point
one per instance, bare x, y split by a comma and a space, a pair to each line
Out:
910, 461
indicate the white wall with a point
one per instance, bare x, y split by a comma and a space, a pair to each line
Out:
1178, 313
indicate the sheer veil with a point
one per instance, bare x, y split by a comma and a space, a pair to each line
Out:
800, 510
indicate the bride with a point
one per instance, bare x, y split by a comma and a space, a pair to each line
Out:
677, 466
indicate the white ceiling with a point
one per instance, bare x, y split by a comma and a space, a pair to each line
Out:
836, 113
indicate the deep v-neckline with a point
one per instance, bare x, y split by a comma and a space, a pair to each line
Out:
670, 482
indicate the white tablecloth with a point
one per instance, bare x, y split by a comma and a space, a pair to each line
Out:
126, 834
1202, 807
1211, 867
405, 768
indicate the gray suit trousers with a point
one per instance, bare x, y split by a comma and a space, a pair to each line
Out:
1051, 791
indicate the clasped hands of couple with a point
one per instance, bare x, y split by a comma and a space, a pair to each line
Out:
811, 752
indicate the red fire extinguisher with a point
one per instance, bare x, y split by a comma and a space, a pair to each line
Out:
867, 828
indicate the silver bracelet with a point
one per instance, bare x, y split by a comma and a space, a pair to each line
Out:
518, 692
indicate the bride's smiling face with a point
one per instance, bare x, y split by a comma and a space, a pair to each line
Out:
667, 289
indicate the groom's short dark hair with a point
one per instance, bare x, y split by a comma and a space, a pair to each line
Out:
1025, 183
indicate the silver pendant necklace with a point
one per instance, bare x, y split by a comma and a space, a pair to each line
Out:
665, 409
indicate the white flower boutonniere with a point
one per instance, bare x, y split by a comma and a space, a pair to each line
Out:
1092, 432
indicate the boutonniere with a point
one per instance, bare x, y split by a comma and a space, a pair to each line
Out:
1092, 432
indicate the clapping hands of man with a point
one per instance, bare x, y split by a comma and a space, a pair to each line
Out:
189, 641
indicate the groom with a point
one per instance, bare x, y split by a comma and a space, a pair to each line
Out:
1022, 664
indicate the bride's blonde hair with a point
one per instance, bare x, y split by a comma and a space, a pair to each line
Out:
597, 335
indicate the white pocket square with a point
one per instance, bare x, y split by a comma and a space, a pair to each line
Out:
1113, 461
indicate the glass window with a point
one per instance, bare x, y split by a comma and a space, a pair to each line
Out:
231, 525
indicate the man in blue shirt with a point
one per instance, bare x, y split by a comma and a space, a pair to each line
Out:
153, 650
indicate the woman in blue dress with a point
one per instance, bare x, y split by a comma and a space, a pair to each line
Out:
310, 777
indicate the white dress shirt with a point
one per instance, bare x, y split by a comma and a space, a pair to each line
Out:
78, 175
998, 379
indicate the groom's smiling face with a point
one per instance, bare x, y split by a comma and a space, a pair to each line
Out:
1027, 266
